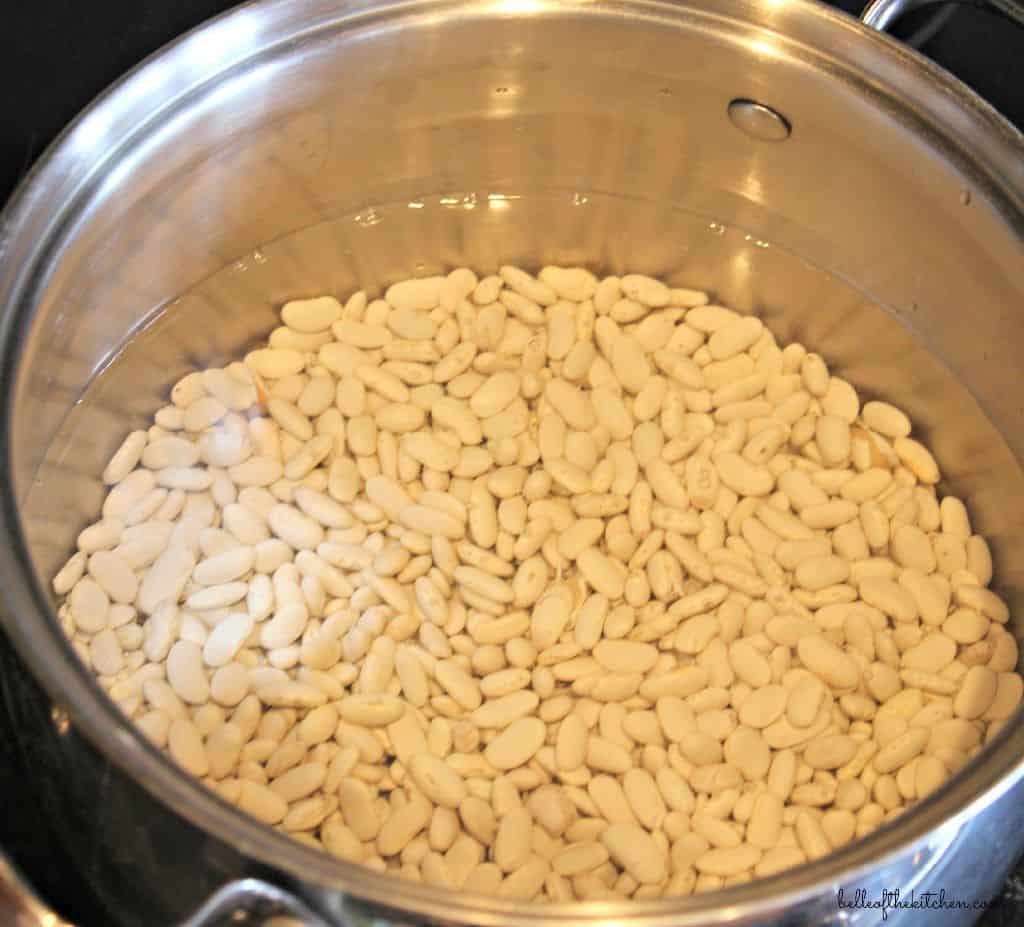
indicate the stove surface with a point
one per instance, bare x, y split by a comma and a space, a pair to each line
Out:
59, 55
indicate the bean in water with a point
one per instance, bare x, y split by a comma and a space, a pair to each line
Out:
552, 586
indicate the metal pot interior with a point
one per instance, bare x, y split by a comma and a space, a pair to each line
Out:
292, 149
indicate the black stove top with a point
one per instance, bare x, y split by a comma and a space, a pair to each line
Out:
58, 55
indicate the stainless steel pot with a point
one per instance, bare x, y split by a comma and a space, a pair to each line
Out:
868, 204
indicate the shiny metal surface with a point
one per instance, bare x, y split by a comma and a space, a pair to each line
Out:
253, 903
19, 906
881, 14
758, 121
294, 147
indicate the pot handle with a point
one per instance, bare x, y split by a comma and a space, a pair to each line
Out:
19, 905
881, 14
250, 901
255, 903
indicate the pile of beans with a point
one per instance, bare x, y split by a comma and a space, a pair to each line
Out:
550, 587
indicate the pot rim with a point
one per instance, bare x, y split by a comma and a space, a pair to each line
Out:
901, 78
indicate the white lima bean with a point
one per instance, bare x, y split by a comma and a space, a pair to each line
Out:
550, 586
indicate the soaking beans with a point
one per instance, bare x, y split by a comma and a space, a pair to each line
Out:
549, 587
